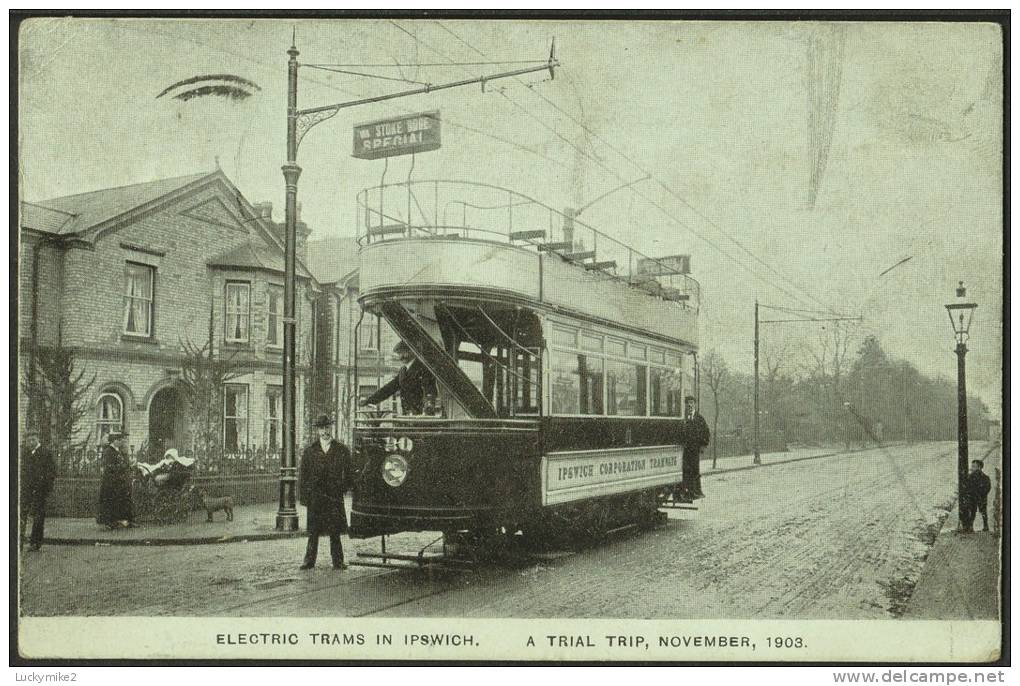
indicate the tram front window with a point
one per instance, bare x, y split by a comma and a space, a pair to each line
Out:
499, 350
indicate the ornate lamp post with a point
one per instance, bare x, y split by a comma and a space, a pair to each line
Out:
960, 315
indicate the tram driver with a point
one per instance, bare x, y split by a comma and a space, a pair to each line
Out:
414, 383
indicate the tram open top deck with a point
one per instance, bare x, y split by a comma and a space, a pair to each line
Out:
459, 241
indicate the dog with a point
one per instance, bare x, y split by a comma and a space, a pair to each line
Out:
211, 505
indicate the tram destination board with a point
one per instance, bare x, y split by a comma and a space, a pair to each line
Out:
412, 133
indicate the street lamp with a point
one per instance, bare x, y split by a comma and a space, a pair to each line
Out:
960, 315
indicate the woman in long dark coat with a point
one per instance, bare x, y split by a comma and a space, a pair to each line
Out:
326, 473
115, 507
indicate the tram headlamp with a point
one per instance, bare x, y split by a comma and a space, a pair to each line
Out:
394, 470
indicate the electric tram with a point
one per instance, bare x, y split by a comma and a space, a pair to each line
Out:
561, 358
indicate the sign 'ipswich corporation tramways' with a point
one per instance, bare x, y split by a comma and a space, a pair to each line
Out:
412, 133
578, 474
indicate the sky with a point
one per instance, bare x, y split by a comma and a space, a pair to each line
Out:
795, 162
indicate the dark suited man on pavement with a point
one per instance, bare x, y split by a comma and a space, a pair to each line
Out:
38, 471
414, 382
326, 473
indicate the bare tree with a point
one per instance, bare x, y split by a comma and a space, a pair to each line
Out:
57, 390
203, 376
832, 357
716, 374
775, 357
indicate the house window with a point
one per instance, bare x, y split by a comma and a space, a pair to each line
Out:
139, 279
235, 418
274, 405
238, 311
109, 415
274, 335
368, 334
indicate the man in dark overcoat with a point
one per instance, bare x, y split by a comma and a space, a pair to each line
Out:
115, 507
326, 473
414, 383
38, 471
695, 437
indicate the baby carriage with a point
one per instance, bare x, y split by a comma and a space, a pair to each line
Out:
164, 491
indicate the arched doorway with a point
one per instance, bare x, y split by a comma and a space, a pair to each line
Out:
166, 422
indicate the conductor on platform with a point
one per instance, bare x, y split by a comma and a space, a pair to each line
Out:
695, 437
326, 474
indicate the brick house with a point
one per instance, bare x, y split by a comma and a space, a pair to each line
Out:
125, 277
334, 262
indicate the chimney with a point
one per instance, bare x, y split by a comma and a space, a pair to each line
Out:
301, 235
264, 210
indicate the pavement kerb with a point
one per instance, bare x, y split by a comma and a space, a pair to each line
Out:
154, 541
195, 540
791, 460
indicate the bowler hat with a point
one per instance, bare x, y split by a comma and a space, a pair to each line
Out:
401, 347
690, 399
323, 420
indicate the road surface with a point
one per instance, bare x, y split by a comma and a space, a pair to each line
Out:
841, 537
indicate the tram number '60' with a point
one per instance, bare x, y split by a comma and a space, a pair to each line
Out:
403, 444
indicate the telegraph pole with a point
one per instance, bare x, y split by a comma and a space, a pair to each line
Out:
757, 453
299, 122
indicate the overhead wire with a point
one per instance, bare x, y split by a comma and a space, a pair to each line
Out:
644, 171
138, 28
428, 64
657, 180
358, 73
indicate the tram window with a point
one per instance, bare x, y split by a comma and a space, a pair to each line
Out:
470, 360
589, 342
674, 408
565, 382
637, 352
526, 382
656, 355
565, 337
616, 347
658, 387
625, 389
591, 384
673, 360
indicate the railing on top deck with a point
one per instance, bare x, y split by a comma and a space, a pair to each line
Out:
469, 209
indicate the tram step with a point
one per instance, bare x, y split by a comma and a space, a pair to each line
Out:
525, 235
554, 247
608, 264
579, 256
